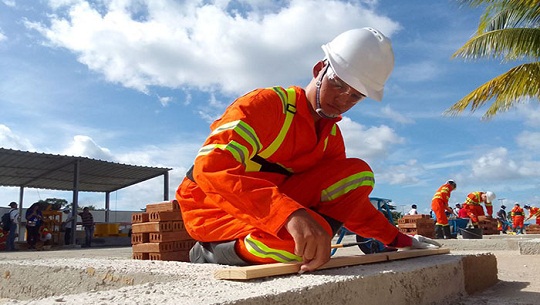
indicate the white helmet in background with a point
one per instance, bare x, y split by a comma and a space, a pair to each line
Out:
362, 58
490, 196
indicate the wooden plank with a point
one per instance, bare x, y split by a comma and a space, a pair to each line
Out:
258, 271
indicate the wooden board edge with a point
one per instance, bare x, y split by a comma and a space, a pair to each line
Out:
259, 271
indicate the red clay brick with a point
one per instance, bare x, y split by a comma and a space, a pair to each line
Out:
155, 247
141, 256
169, 236
163, 206
165, 215
180, 256
149, 227
139, 217
139, 238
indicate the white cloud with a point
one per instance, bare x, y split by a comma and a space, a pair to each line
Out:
2, 36
395, 116
85, 146
178, 44
405, 174
8, 139
368, 142
10, 3
529, 140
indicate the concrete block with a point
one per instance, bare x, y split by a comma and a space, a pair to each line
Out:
529, 247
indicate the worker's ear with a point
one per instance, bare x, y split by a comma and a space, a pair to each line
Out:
317, 68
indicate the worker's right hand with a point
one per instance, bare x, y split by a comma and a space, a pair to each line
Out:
421, 242
312, 242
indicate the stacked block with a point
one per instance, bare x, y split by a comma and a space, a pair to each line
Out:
421, 224
532, 229
488, 225
159, 233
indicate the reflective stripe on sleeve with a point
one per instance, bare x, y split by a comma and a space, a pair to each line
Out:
259, 249
238, 151
347, 184
245, 131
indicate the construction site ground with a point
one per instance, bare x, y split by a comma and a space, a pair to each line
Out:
108, 275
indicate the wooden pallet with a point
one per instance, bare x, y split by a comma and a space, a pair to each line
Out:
259, 271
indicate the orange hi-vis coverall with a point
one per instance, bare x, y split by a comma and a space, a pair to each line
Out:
473, 206
439, 204
244, 186
518, 216
535, 212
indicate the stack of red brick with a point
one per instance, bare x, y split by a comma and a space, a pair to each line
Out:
532, 229
159, 233
420, 224
488, 225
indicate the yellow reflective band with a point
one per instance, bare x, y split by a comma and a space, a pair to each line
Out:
238, 151
243, 130
289, 108
347, 184
259, 249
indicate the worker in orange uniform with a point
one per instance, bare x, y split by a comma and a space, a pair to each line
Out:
272, 182
439, 205
533, 212
473, 205
518, 216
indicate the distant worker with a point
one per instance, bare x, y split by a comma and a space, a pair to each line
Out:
13, 225
67, 227
518, 216
413, 210
533, 212
502, 219
272, 182
439, 205
473, 205
457, 209
88, 225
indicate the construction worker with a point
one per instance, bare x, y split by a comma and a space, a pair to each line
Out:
272, 182
439, 205
473, 205
413, 210
533, 212
502, 220
518, 216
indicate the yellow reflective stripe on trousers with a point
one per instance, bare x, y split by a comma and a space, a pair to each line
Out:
347, 184
289, 108
245, 131
238, 151
259, 249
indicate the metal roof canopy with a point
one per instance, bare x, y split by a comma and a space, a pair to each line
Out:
67, 173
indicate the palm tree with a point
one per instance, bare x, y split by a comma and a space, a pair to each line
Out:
510, 30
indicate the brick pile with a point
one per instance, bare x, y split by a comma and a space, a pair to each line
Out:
421, 224
532, 229
159, 233
488, 225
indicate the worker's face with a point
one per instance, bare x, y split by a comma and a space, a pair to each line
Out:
336, 96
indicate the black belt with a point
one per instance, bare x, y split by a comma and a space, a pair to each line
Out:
266, 166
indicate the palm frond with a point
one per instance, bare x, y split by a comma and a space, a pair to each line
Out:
508, 44
515, 86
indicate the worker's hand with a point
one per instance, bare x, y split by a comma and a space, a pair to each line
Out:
312, 242
421, 242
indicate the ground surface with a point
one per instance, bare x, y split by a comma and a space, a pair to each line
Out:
519, 275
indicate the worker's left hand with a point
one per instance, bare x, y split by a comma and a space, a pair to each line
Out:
421, 242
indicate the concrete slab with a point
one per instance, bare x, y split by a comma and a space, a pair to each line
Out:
108, 276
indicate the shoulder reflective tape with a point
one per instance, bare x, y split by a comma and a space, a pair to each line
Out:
243, 130
288, 98
347, 184
259, 249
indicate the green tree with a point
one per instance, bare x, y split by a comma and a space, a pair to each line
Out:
509, 30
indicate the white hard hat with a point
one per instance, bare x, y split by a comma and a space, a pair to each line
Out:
362, 58
490, 196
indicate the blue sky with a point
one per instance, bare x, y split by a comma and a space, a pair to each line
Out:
138, 82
